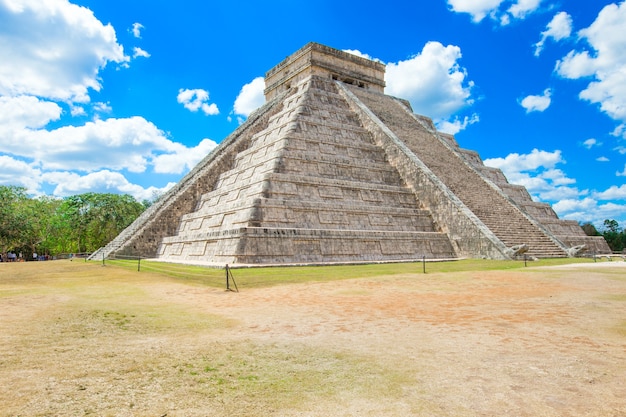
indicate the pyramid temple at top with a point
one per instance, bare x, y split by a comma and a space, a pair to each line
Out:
330, 170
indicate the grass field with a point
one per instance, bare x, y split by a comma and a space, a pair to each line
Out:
468, 338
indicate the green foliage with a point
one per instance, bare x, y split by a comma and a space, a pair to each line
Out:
614, 236
45, 225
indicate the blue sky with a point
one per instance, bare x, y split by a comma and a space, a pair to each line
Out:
127, 96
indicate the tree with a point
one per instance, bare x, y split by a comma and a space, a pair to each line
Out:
91, 220
46, 225
615, 237
14, 217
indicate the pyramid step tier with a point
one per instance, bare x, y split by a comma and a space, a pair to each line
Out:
280, 245
273, 212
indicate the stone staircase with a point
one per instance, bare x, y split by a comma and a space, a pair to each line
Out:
567, 231
492, 207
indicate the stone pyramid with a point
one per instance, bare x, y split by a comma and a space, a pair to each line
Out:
331, 170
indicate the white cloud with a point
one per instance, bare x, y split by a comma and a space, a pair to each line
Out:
113, 143
588, 210
77, 110
455, 126
479, 9
602, 159
621, 174
612, 193
538, 173
523, 8
537, 103
250, 97
559, 28
590, 143
197, 99
182, 158
19, 173
102, 107
82, 158
529, 162
605, 62
105, 181
433, 81
138, 52
53, 49
136, 30
26, 112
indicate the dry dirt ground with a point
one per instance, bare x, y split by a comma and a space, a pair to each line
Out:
79, 339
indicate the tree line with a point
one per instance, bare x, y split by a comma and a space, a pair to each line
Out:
51, 226
85, 222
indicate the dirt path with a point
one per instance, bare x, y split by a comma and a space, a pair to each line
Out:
532, 342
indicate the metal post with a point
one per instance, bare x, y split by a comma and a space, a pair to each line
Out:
424, 263
525, 260
138, 263
227, 283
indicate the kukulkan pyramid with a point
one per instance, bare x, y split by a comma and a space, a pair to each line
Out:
330, 170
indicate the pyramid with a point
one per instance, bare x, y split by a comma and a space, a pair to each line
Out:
332, 170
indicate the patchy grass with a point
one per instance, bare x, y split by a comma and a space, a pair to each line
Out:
469, 337
271, 276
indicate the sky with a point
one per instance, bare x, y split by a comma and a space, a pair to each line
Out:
123, 96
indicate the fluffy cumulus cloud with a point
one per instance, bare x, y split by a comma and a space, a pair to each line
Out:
83, 158
26, 112
501, 11
197, 99
131, 144
433, 81
559, 28
250, 97
53, 49
604, 61
537, 103
182, 158
477, 9
588, 209
12, 169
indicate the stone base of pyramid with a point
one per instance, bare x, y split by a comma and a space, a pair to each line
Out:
251, 245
